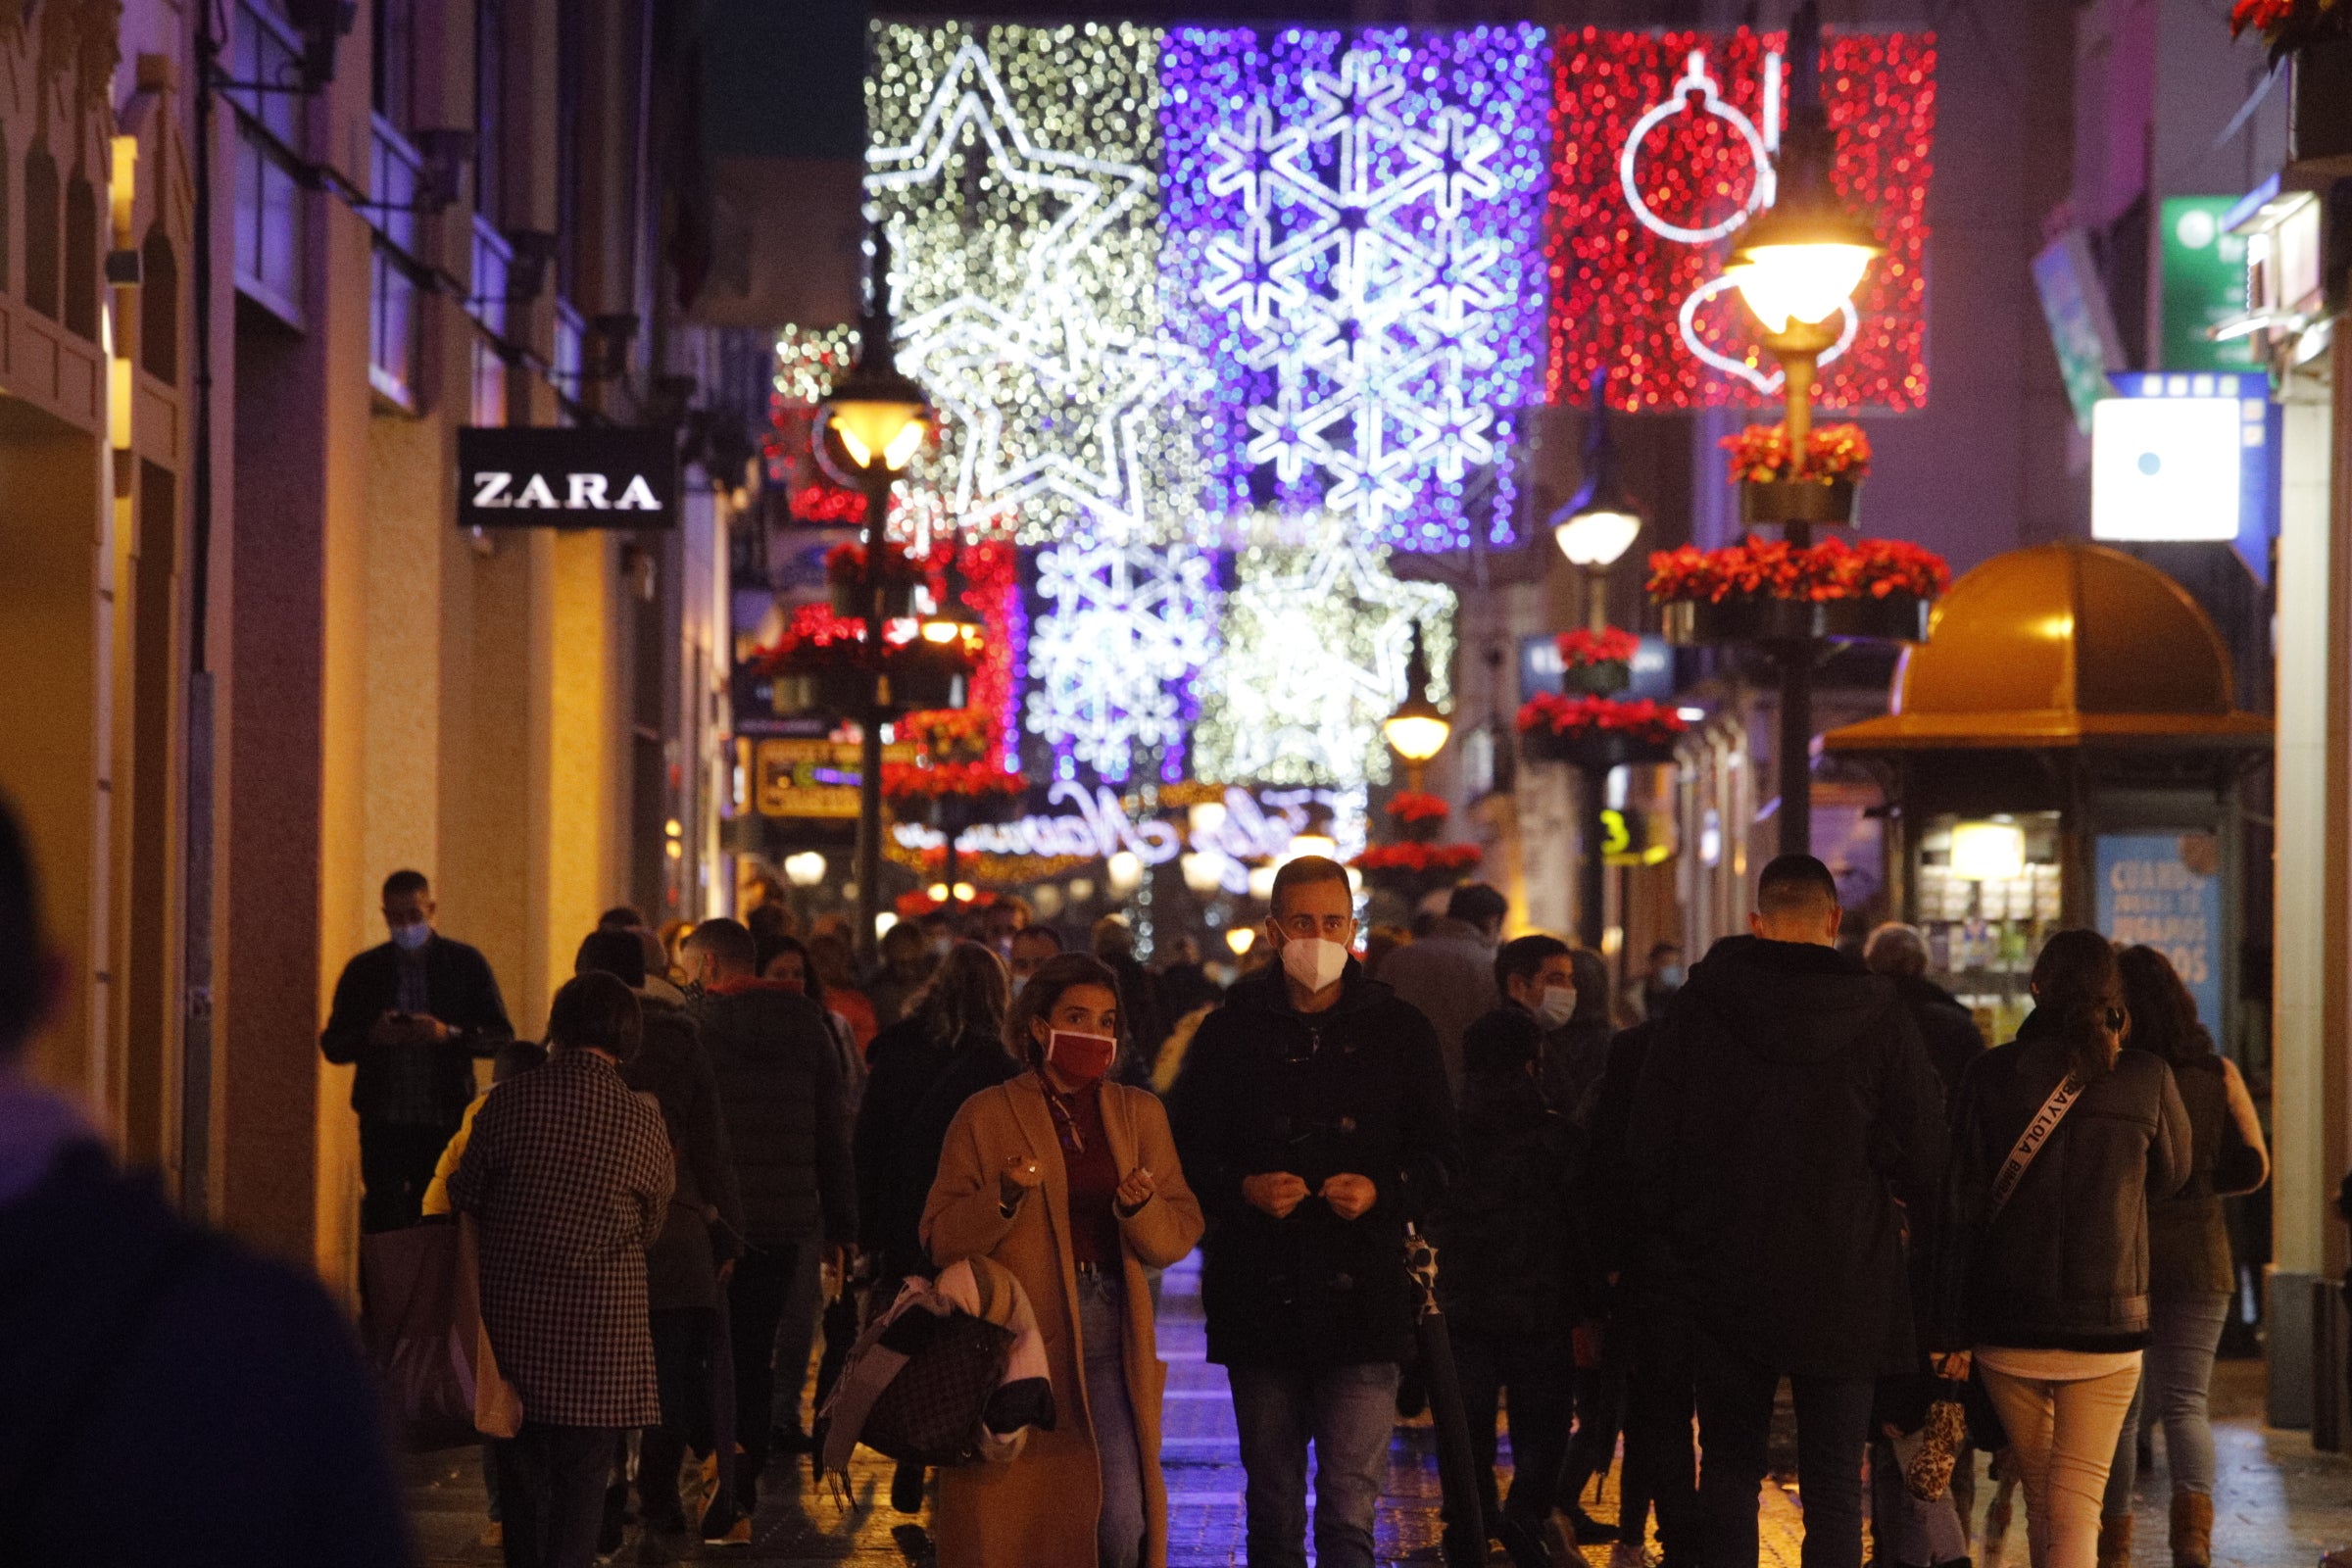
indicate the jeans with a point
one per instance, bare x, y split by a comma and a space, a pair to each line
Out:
2062, 1434
1538, 1371
682, 1339
796, 1336
1735, 1424
551, 1484
1347, 1412
1661, 1468
756, 1299
2176, 1375
396, 1166
1118, 1451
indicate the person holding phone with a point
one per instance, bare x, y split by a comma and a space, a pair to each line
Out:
1072, 1183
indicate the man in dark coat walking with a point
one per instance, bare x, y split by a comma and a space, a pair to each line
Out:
781, 1094
1314, 1122
1948, 1029
411, 1015
1785, 1110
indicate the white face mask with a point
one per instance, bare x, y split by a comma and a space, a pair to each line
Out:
1314, 962
1557, 1006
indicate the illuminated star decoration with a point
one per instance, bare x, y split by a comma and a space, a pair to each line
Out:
1355, 231
1317, 633
1112, 664
1017, 173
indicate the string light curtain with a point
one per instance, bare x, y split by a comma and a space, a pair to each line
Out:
1657, 166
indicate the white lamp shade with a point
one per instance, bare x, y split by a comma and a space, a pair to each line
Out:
1987, 851
1240, 939
1126, 871
1417, 737
1317, 844
1783, 284
1596, 538
805, 869
888, 430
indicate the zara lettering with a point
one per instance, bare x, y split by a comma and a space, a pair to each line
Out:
582, 492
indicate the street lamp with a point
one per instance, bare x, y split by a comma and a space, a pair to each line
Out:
1417, 731
1796, 267
1601, 523
869, 428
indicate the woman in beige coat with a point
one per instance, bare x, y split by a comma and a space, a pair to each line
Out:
1072, 1183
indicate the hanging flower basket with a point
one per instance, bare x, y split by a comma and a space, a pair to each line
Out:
849, 599
1598, 731
901, 572
1765, 618
1770, 503
1597, 663
1413, 871
1773, 493
1416, 816
910, 685
953, 795
835, 692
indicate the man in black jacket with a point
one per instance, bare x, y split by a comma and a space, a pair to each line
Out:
1785, 1110
1947, 1030
780, 1091
1314, 1122
412, 1014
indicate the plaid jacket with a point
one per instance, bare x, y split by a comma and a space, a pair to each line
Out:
570, 1173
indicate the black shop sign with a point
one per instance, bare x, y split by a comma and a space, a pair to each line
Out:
581, 478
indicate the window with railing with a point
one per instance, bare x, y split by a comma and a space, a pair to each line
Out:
394, 318
563, 368
268, 160
486, 302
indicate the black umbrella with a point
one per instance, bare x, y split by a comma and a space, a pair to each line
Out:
1457, 1466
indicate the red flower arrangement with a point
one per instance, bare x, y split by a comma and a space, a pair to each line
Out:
2287, 25
828, 505
926, 781
1641, 720
1867, 569
1760, 454
1416, 805
816, 638
1419, 858
1581, 649
901, 566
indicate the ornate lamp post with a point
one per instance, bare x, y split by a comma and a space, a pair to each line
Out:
1418, 730
868, 429
1795, 267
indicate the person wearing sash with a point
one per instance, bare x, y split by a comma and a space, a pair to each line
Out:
2061, 1139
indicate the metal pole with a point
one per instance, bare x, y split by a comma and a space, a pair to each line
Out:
1591, 865
869, 729
1797, 657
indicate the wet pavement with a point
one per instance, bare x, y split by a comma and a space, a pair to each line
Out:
2280, 1504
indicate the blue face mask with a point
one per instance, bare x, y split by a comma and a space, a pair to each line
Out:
409, 938
1671, 977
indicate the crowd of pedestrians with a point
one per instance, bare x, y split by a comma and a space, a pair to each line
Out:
1795, 1163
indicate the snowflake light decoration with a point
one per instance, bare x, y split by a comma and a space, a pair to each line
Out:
1112, 663
1316, 638
1356, 224
1015, 168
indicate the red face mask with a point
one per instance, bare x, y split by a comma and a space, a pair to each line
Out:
1081, 1058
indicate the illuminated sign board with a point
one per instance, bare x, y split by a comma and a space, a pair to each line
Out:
2181, 457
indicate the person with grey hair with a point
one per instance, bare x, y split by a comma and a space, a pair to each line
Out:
1948, 1030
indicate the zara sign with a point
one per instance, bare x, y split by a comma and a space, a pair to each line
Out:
577, 477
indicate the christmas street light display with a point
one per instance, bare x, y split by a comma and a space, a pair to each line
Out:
1355, 222
1112, 664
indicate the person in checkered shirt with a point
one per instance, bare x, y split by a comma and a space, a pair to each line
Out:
570, 1173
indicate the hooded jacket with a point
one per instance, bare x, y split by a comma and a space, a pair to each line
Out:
2064, 1265
781, 1096
1358, 1088
1786, 1105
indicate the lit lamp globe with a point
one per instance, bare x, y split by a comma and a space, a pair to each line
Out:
1322, 845
872, 422
1600, 521
952, 623
1203, 871
1418, 729
1240, 939
805, 869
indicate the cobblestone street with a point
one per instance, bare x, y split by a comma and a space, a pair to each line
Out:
2280, 1505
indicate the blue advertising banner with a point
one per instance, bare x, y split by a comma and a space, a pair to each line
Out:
2164, 890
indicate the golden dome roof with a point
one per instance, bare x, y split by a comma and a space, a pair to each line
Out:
2057, 645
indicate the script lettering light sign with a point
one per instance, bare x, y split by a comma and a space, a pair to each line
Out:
575, 477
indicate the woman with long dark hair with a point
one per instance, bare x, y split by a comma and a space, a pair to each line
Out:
2191, 1274
2061, 1139
1072, 1183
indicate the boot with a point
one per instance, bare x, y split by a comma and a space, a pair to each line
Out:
2193, 1530
2115, 1541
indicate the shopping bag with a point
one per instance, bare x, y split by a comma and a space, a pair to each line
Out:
497, 1407
423, 1326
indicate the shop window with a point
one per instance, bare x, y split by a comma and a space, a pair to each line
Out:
394, 56
158, 307
393, 316
269, 154
82, 258
563, 368
41, 231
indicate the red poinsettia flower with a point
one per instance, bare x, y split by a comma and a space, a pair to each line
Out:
1419, 857
1761, 452
1415, 806
921, 781
2288, 25
1640, 718
1581, 649
1872, 568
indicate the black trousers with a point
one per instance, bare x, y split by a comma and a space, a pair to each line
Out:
396, 1165
550, 1490
1735, 1424
682, 1343
1538, 1372
1661, 1470
756, 1299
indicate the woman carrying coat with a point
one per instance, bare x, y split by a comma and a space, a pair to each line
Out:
1072, 1183
2192, 1276
2043, 1276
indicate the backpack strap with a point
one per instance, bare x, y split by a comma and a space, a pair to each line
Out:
2031, 1141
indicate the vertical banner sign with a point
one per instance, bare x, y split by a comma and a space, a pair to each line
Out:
2204, 281
2082, 332
580, 477
2164, 890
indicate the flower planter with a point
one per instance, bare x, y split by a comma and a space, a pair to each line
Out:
850, 598
1765, 502
919, 687
2319, 114
1590, 747
1604, 679
840, 692
1763, 618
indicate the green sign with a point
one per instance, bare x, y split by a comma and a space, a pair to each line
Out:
2204, 282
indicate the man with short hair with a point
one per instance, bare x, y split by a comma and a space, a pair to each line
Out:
1004, 921
169, 1396
1785, 1112
1314, 1122
1948, 1030
569, 1172
1662, 976
1032, 946
781, 1094
1450, 973
412, 1016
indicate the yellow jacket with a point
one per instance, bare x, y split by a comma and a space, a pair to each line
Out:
436, 1192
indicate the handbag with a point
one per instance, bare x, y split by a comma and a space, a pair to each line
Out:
421, 1322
